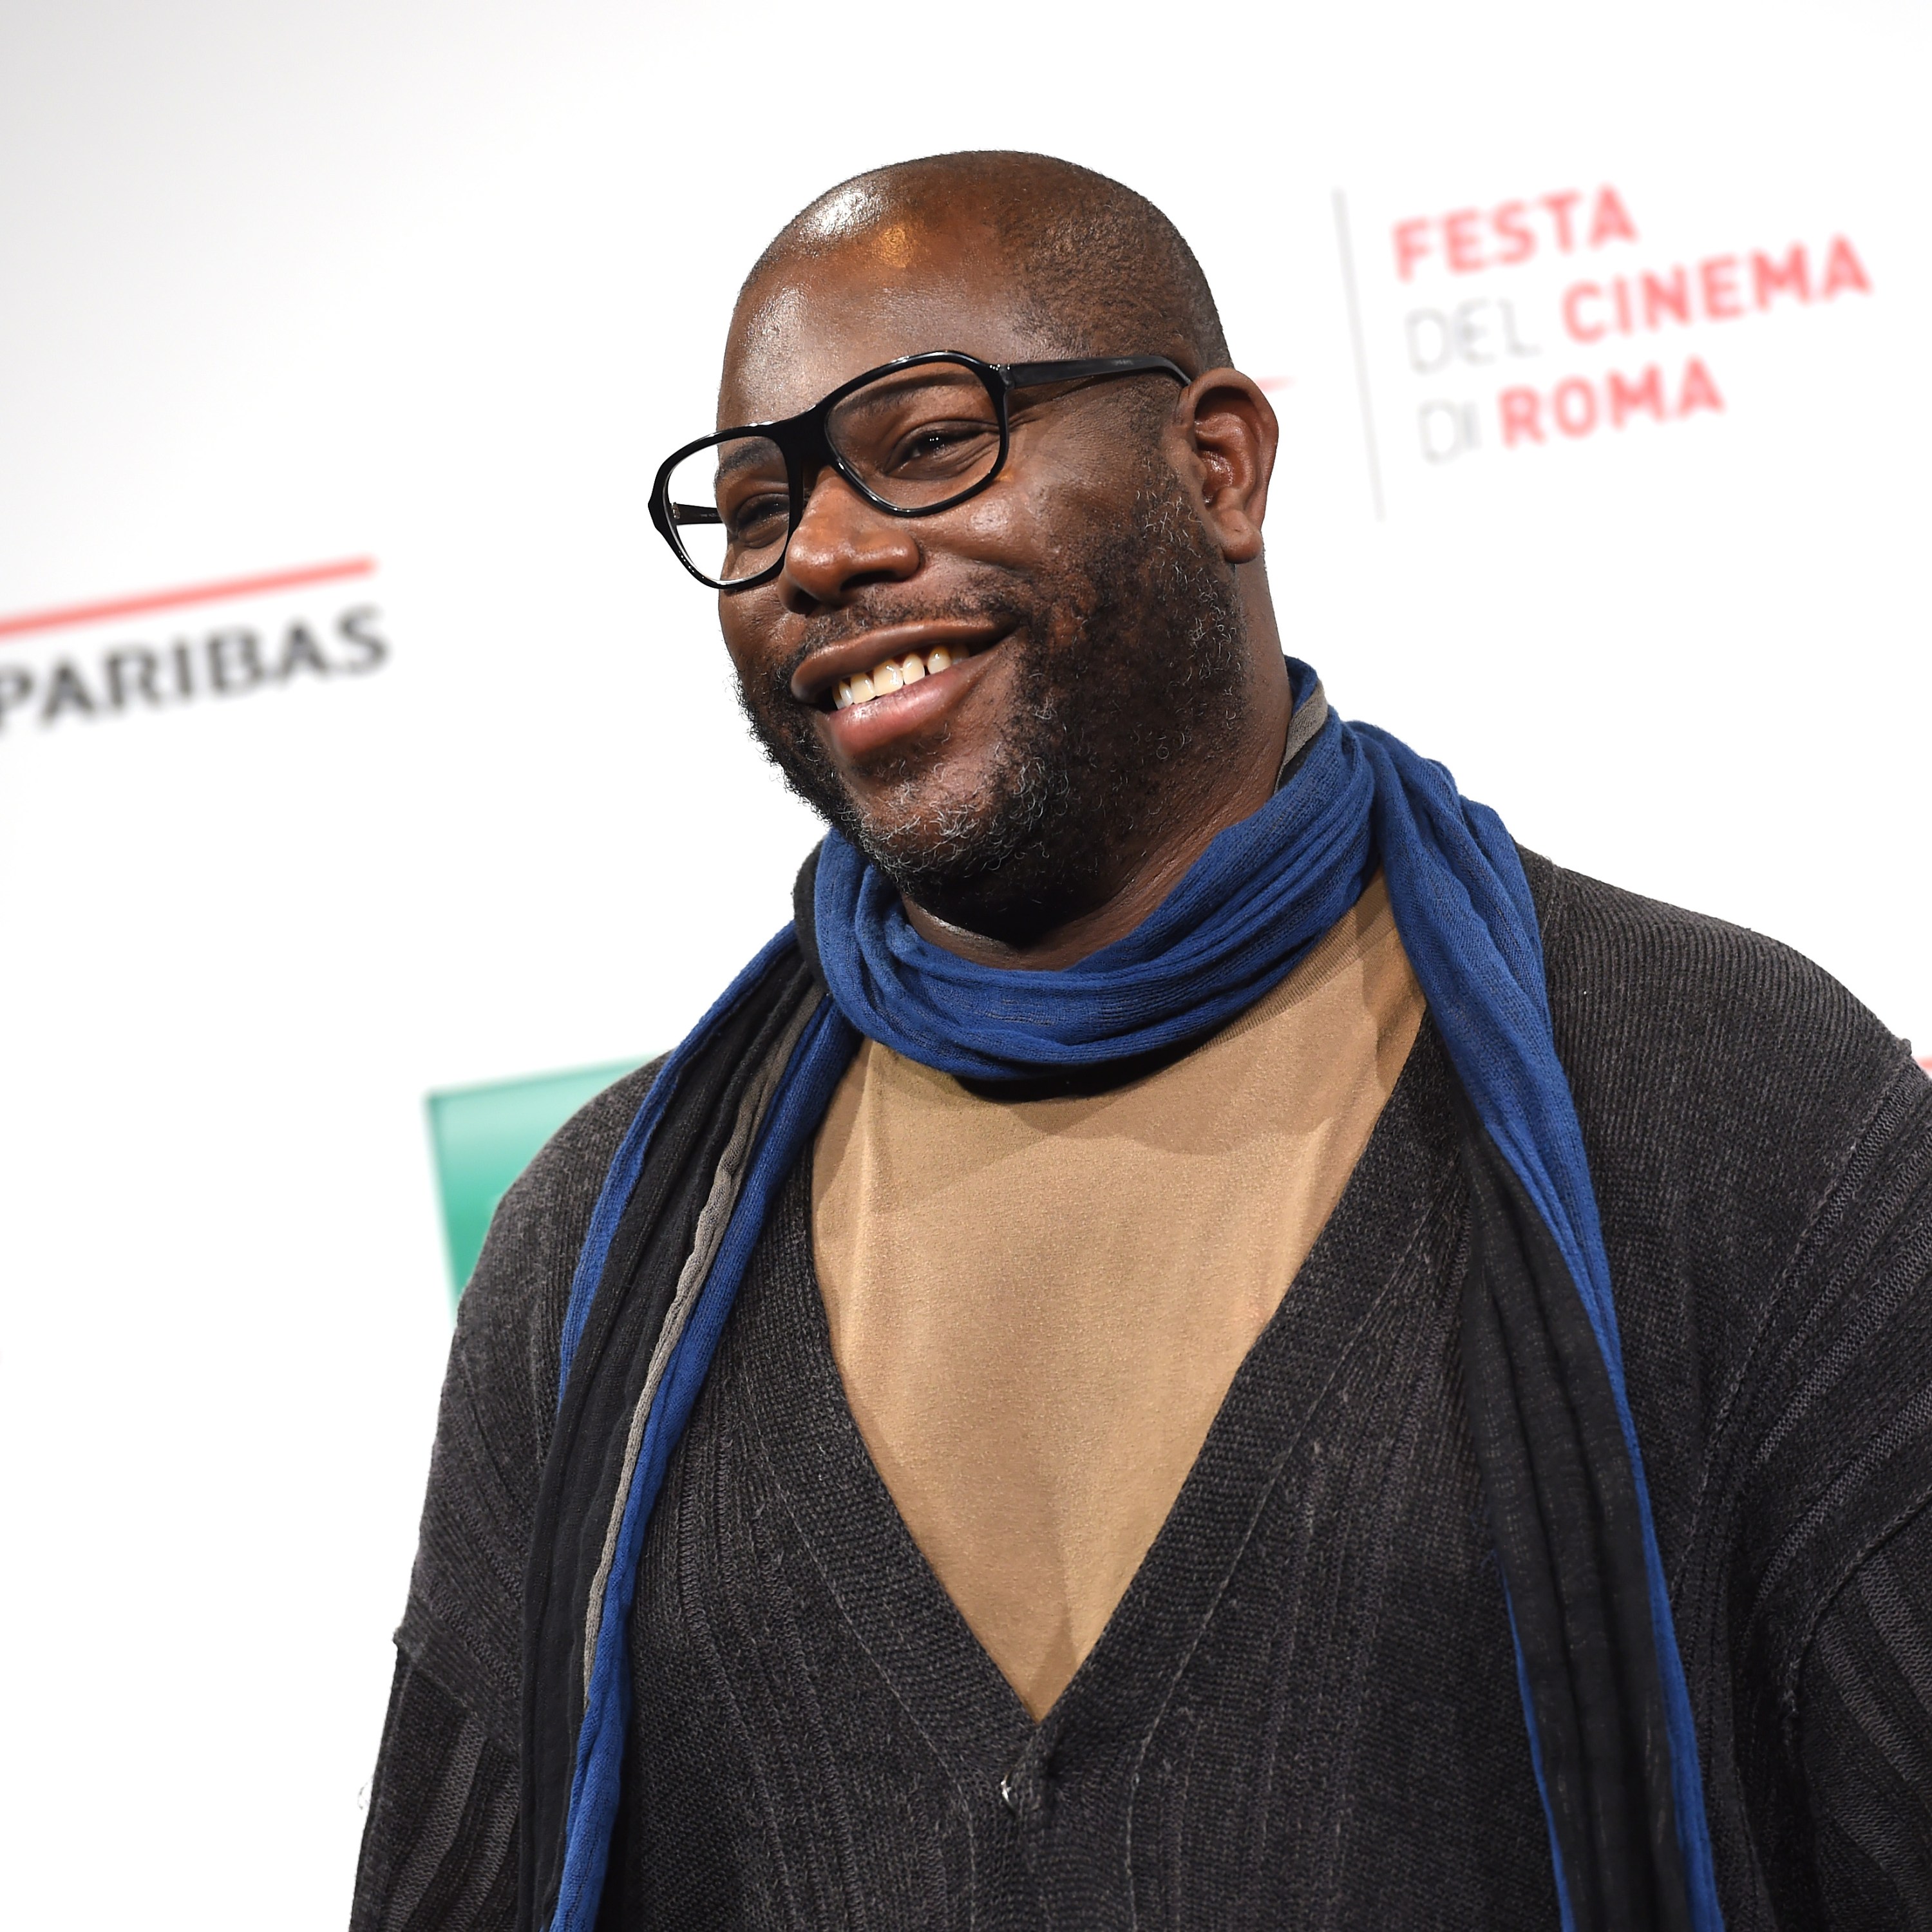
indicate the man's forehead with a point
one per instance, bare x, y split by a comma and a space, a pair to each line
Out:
810, 322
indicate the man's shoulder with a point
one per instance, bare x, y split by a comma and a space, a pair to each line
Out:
568, 1169
512, 1310
1736, 1100
1752, 1129
1667, 1005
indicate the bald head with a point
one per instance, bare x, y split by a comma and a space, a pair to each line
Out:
1097, 269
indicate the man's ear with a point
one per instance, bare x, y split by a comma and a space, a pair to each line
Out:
1231, 436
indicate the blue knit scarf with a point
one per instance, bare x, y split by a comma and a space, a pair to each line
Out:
1263, 893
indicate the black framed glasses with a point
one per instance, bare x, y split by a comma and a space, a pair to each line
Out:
912, 437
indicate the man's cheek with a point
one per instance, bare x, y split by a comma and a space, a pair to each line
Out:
1050, 510
1018, 530
750, 629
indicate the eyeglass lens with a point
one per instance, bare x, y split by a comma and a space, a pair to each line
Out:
915, 438
730, 507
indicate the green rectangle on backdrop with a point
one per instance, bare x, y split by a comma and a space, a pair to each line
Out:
483, 1137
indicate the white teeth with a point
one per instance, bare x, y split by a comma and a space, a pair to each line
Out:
895, 673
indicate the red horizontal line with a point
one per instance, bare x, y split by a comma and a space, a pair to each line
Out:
58, 619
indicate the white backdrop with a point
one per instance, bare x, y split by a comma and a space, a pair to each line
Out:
434, 285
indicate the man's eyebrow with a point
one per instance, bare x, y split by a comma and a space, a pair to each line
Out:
923, 376
744, 454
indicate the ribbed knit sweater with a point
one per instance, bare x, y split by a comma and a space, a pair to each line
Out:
1303, 1710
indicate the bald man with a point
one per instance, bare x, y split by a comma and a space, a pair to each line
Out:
1201, 1340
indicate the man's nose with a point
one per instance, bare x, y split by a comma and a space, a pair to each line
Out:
842, 541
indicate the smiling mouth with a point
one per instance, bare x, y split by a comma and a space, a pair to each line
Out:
892, 674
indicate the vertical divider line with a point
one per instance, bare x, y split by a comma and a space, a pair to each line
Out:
1361, 353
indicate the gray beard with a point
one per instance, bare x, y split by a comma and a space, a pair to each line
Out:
1135, 668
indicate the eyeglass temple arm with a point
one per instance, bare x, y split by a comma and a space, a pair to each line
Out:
1025, 375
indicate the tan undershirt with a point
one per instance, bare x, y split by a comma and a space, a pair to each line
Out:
1037, 1307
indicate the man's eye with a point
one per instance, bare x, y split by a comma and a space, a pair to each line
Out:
939, 446
753, 520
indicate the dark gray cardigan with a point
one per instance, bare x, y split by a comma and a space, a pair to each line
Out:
1303, 1711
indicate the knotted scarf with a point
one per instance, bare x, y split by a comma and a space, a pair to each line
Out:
732, 1110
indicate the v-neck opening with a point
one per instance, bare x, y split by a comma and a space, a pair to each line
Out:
1330, 1305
